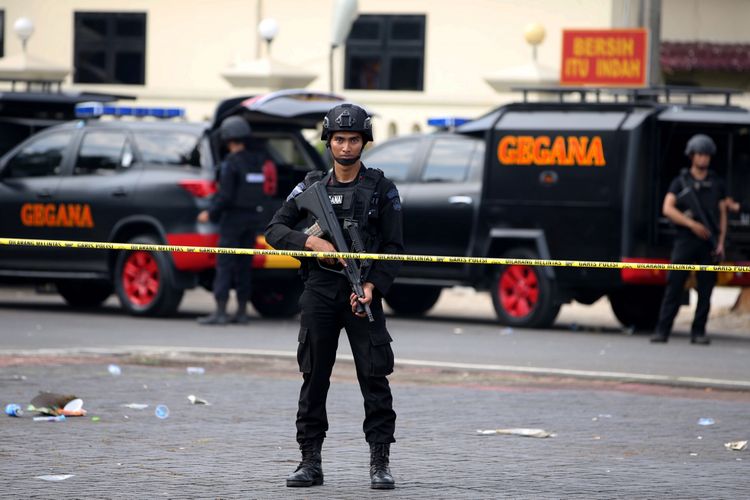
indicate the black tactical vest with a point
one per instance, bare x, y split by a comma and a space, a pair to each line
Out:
248, 167
358, 202
709, 196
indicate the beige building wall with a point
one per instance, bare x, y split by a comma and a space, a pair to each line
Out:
722, 21
190, 42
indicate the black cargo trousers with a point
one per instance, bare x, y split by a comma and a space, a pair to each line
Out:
688, 250
237, 229
321, 322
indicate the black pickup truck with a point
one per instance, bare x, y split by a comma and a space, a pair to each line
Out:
580, 176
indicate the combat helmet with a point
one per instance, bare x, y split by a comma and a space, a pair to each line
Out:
347, 118
234, 128
701, 144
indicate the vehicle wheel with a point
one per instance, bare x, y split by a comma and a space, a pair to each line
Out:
84, 293
637, 306
412, 300
143, 281
276, 300
524, 296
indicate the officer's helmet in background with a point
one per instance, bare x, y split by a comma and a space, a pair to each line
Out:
234, 128
347, 118
700, 144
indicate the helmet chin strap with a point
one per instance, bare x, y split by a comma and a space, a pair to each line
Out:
346, 161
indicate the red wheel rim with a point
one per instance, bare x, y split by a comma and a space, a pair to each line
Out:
518, 290
140, 278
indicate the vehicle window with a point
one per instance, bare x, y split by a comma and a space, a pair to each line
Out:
477, 159
40, 157
102, 153
448, 161
168, 147
394, 159
287, 151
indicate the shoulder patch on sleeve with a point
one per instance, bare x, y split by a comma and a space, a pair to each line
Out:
394, 197
296, 191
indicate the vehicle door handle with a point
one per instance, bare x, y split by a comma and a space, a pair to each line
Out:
44, 194
460, 200
119, 191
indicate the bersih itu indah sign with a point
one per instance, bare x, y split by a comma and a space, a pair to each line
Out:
613, 58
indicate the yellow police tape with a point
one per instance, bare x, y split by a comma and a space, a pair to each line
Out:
93, 245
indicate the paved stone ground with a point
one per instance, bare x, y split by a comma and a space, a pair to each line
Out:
613, 440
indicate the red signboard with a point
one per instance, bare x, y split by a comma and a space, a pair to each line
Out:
613, 58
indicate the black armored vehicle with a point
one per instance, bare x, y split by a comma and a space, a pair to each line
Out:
579, 174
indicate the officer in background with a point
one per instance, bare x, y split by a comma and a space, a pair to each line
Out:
700, 236
328, 304
236, 207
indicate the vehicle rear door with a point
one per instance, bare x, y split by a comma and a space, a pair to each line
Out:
289, 111
29, 203
98, 192
730, 130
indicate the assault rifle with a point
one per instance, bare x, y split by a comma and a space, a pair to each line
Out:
690, 198
315, 200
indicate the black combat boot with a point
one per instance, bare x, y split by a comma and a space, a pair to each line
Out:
218, 317
659, 338
380, 473
700, 339
310, 470
241, 317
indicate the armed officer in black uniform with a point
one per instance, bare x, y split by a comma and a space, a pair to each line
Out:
237, 209
328, 304
697, 204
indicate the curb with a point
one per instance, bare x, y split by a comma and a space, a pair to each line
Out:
170, 353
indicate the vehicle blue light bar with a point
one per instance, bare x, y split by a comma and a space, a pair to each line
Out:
97, 109
446, 121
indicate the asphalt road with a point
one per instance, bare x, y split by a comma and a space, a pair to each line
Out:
460, 333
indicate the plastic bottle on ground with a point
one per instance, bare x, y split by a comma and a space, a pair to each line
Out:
13, 410
161, 411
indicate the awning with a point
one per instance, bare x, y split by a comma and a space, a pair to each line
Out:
704, 56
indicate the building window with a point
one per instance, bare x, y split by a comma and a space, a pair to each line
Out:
110, 47
385, 52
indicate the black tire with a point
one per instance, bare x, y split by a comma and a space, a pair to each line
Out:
276, 299
524, 296
412, 300
637, 306
84, 294
144, 281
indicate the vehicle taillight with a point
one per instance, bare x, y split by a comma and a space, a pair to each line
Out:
270, 178
200, 188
